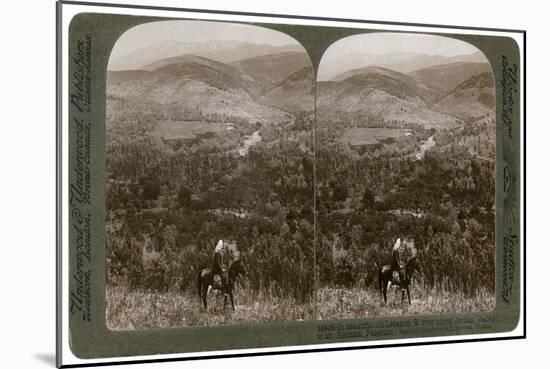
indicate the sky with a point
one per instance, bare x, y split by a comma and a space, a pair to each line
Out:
195, 31
403, 52
386, 43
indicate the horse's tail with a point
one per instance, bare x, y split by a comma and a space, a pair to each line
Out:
199, 283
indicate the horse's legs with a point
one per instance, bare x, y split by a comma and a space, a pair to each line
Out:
224, 301
402, 296
409, 295
232, 301
204, 298
385, 293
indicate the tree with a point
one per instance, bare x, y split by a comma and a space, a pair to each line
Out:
184, 196
368, 198
340, 193
151, 188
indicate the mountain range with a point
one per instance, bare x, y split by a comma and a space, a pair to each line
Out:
259, 89
436, 96
267, 87
222, 51
404, 62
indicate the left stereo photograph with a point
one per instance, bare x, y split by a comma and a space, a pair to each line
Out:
209, 176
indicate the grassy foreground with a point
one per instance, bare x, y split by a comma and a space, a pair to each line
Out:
128, 310
339, 303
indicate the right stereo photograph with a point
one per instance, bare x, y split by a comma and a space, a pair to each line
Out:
405, 177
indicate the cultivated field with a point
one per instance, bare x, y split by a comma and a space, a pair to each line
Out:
371, 136
181, 130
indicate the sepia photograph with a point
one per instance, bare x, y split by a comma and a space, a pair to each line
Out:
405, 177
209, 176
232, 184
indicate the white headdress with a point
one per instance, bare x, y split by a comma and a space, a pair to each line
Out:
219, 246
397, 244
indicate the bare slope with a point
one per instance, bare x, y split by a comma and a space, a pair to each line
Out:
381, 92
294, 93
445, 77
190, 83
472, 99
274, 68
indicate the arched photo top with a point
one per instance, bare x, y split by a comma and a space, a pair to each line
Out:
431, 80
269, 71
221, 41
401, 52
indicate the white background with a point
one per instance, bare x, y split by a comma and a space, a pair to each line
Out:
27, 185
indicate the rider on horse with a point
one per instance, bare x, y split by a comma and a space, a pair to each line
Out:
396, 261
218, 266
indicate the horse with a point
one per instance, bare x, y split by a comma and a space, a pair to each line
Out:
385, 275
205, 279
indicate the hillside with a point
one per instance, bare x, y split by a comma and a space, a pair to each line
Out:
445, 77
471, 99
392, 82
294, 93
217, 74
193, 84
272, 69
381, 92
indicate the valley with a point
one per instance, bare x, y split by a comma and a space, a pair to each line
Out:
201, 149
405, 154
310, 179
